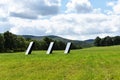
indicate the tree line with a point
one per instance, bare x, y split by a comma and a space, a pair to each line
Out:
107, 41
13, 43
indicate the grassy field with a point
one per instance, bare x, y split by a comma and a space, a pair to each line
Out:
102, 63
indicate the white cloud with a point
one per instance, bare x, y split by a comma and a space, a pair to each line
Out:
110, 3
80, 22
22, 8
74, 26
115, 6
79, 6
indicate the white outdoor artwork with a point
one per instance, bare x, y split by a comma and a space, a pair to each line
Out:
29, 49
67, 49
50, 48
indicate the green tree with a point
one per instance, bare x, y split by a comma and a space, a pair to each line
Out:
45, 43
37, 45
102, 42
116, 40
2, 43
97, 41
10, 41
73, 46
59, 45
108, 41
20, 43
47, 40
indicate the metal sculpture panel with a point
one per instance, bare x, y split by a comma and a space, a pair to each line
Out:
67, 49
29, 49
50, 48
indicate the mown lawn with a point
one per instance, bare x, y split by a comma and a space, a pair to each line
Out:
97, 63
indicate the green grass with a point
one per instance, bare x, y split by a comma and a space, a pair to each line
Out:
97, 63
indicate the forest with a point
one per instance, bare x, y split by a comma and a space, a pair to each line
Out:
10, 42
107, 41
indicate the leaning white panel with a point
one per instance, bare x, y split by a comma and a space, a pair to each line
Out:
29, 49
67, 49
50, 48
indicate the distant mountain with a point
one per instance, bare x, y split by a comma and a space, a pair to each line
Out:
90, 41
86, 43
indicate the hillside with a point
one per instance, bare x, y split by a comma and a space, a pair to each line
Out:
83, 44
97, 63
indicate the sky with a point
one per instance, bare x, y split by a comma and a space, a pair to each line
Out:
71, 19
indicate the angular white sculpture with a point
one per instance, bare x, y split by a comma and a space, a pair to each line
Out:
50, 48
29, 49
67, 49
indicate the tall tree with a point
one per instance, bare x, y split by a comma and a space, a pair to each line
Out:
59, 45
97, 41
20, 44
102, 42
116, 40
37, 45
46, 42
108, 41
10, 40
1, 43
